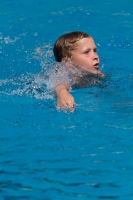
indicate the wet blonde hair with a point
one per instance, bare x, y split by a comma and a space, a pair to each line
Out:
66, 43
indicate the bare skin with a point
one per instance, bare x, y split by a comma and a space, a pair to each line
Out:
65, 99
86, 57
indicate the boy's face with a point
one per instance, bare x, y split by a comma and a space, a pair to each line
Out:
85, 55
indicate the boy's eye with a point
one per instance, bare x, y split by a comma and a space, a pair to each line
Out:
86, 52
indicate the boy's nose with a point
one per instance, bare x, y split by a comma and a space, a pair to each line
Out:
95, 56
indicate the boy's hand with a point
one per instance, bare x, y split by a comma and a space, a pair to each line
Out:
65, 100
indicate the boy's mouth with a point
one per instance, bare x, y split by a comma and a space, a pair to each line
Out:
96, 65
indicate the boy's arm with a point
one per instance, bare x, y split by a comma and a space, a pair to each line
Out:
64, 99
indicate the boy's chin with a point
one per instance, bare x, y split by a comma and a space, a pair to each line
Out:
93, 70
96, 72
96, 67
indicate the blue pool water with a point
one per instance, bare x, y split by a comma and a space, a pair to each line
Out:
45, 154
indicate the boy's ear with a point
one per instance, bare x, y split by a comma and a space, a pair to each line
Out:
65, 59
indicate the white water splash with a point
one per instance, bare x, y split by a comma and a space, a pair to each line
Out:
43, 54
30, 85
8, 40
41, 85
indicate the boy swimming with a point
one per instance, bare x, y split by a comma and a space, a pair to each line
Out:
79, 50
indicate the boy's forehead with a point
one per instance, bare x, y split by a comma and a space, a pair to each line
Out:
86, 42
